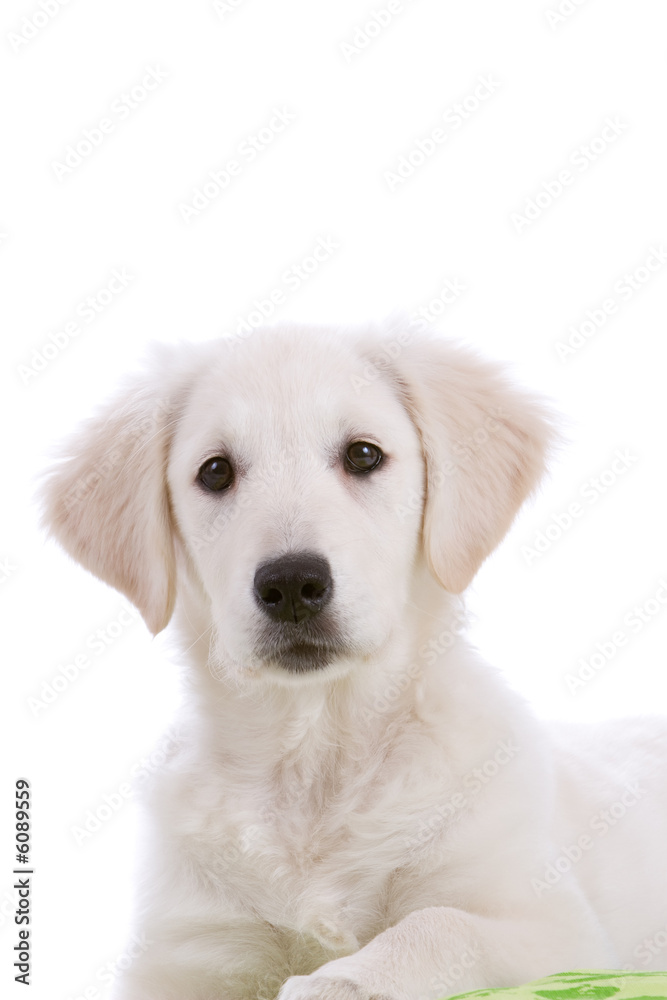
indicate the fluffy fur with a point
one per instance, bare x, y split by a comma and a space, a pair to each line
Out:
391, 826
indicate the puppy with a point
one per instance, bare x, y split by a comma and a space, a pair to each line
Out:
356, 807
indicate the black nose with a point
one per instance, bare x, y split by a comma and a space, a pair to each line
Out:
293, 587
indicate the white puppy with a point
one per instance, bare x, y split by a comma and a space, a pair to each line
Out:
357, 807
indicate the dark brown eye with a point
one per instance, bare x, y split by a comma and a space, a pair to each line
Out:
362, 457
216, 474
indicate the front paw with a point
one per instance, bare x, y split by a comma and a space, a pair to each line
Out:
317, 987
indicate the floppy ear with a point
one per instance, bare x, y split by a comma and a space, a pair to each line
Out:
484, 444
106, 502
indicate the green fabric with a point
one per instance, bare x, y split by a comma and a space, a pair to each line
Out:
585, 985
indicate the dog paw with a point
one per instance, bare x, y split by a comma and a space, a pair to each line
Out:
325, 988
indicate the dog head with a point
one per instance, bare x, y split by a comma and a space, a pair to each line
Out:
285, 486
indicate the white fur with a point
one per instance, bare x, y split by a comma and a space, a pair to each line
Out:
380, 828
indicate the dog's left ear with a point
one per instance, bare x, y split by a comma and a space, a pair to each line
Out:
106, 501
484, 444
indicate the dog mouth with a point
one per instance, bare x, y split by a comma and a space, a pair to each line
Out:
300, 649
302, 657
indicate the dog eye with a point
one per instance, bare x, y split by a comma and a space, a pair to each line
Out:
216, 474
362, 457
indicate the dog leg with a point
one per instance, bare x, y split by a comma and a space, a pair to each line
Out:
244, 961
441, 951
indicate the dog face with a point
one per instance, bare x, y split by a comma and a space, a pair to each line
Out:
288, 483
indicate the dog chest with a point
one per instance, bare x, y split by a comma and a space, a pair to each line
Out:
314, 855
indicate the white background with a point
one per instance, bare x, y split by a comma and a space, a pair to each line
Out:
355, 111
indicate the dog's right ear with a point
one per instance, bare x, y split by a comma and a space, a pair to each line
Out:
484, 443
106, 501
